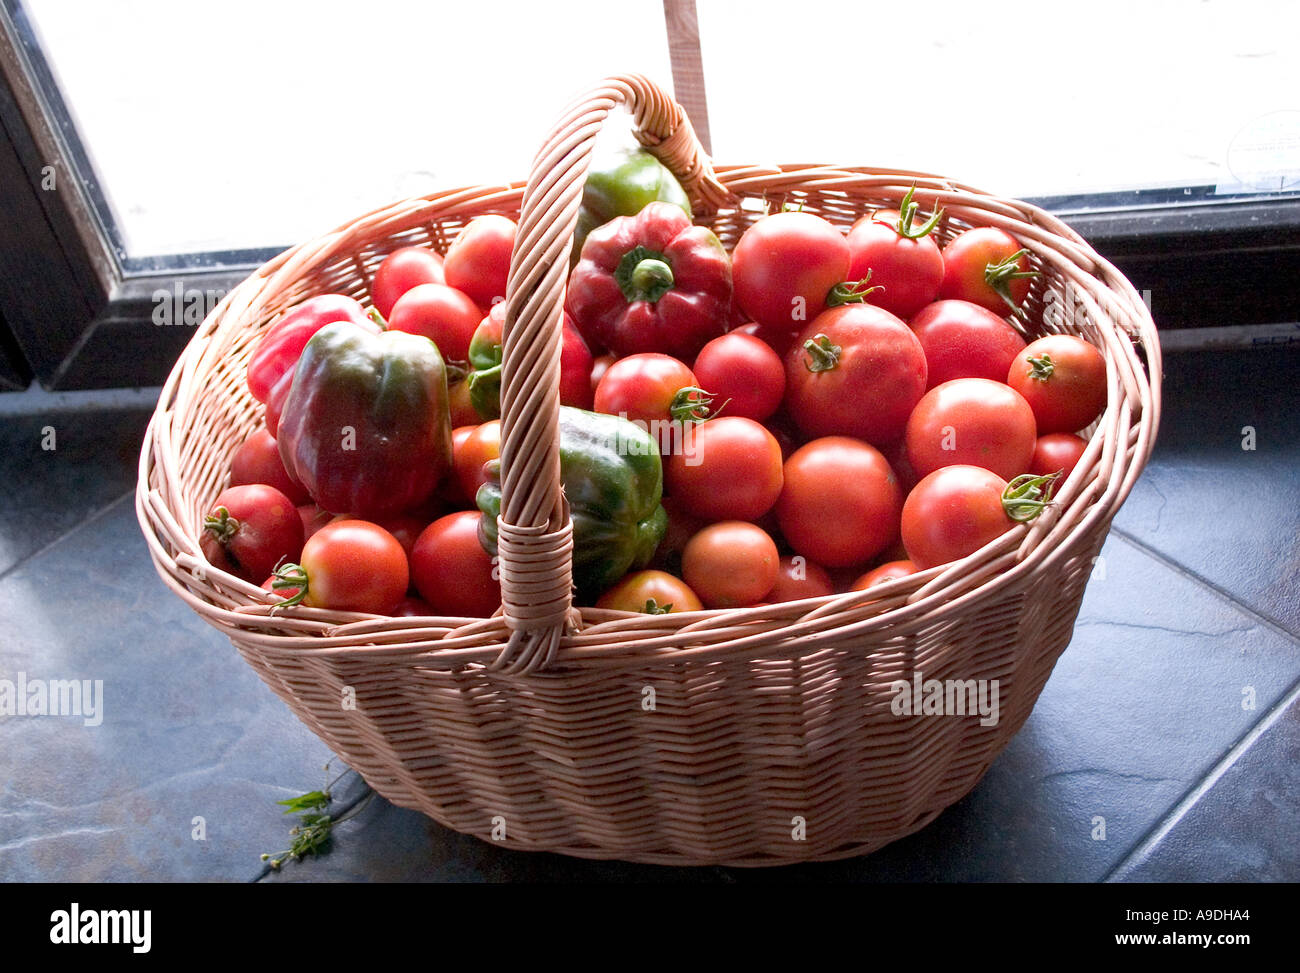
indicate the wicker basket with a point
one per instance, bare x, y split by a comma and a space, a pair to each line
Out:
755, 736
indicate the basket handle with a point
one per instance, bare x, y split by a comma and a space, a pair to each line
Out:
535, 532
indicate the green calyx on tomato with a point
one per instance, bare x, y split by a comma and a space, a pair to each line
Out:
1000, 275
692, 404
221, 525
907, 212
654, 608
852, 292
823, 354
1041, 369
644, 275
1027, 496
292, 577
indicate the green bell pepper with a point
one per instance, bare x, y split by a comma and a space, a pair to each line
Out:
613, 479
619, 183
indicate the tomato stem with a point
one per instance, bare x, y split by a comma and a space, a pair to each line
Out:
221, 524
374, 315
1027, 495
999, 276
290, 576
851, 292
823, 354
653, 608
692, 404
907, 211
1041, 369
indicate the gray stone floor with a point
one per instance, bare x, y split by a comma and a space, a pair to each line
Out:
1142, 722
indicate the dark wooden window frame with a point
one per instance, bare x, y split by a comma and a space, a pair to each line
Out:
78, 312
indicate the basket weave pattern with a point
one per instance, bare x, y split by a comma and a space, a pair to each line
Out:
692, 738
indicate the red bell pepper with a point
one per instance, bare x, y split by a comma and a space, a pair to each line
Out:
277, 352
651, 282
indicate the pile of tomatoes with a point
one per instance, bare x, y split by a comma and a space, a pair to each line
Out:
869, 408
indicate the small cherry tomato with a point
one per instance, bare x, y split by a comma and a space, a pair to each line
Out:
1063, 378
964, 340
444, 315
1057, 451
743, 372
971, 421
728, 468
953, 512
651, 592
472, 453
988, 267
798, 578
730, 564
840, 503
258, 461
349, 565
478, 260
250, 529
402, 270
888, 571
452, 571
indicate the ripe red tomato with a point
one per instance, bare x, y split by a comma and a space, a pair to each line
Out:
1063, 378
1057, 451
250, 529
888, 571
478, 260
971, 421
953, 512
651, 592
405, 529
472, 453
682, 526
442, 314
351, 565
655, 391
964, 340
856, 370
401, 271
840, 503
783, 268
730, 564
988, 267
258, 461
798, 578
908, 270
728, 468
313, 519
452, 571
743, 372
459, 406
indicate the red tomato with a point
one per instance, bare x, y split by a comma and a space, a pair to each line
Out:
730, 564
258, 461
1057, 451
313, 519
1063, 378
651, 592
250, 529
744, 372
888, 571
599, 367
798, 578
655, 391
986, 266
908, 270
450, 491
402, 270
953, 512
470, 454
840, 503
351, 565
971, 421
405, 530
478, 261
452, 572
855, 371
460, 407
728, 468
963, 340
682, 526
410, 607
442, 314
783, 268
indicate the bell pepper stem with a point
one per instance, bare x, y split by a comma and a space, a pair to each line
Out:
644, 275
